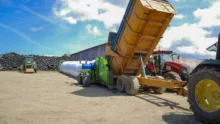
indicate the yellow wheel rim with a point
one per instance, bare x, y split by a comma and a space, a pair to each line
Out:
207, 95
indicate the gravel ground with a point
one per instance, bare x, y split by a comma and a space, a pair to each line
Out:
53, 98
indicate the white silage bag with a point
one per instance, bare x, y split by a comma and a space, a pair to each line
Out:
72, 67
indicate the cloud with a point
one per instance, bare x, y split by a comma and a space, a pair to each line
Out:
103, 11
193, 39
122, 3
93, 30
179, 16
35, 29
71, 20
209, 17
23, 36
188, 39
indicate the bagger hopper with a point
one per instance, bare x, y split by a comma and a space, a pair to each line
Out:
142, 27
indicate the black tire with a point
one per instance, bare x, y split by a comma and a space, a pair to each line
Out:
121, 83
132, 85
159, 90
79, 79
111, 82
209, 73
173, 76
86, 81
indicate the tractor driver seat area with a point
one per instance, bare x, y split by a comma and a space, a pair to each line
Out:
157, 63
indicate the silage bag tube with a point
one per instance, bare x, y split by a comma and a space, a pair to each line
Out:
72, 68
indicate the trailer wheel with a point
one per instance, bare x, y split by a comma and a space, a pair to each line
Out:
79, 79
204, 95
86, 81
121, 83
132, 85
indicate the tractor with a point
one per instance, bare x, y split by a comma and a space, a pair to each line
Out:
29, 65
166, 63
204, 88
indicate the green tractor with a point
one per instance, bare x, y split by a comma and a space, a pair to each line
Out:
204, 88
29, 65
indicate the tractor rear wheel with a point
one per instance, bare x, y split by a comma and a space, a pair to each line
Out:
86, 81
121, 83
204, 95
132, 85
173, 76
159, 90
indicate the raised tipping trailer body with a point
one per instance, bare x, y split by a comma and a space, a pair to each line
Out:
142, 27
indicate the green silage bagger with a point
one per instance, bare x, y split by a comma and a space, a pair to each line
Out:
98, 72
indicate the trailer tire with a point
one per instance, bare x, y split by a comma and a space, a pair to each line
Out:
132, 85
121, 83
199, 90
86, 81
79, 79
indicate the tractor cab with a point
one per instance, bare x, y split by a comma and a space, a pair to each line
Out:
29, 59
163, 61
160, 57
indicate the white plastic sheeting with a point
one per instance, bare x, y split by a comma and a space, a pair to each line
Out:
72, 67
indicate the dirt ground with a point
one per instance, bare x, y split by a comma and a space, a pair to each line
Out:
53, 98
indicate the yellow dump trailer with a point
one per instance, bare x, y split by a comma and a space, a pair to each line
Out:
143, 27
128, 50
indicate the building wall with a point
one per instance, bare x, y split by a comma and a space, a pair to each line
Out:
89, 54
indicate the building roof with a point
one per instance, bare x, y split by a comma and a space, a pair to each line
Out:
88, 49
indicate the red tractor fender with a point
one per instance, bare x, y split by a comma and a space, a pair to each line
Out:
151, 67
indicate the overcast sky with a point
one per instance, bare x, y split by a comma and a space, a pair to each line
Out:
56, 27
